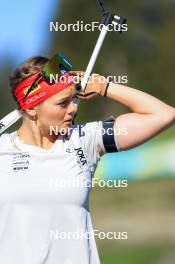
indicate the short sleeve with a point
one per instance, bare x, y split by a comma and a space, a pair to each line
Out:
91, 141
96, 137
4, 141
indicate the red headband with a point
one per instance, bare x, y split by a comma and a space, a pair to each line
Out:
43, 90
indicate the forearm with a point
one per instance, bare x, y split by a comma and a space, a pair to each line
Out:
138, 101
149, 115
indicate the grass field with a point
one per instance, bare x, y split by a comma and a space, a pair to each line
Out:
140, 254
146, 210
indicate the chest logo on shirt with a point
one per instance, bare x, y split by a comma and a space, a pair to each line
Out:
20, 162
69, 150
81, 156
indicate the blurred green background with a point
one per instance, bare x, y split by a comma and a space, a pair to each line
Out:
145, 53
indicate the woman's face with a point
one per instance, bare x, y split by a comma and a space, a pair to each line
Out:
57, 111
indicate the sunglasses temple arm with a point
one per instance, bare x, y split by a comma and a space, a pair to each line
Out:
35, 82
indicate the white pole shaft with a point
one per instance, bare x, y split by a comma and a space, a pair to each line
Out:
15, 115
9, 120
94, 56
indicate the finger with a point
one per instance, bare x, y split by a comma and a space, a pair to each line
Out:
81, 97
86, 96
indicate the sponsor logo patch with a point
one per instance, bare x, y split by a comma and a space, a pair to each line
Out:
81, 156
21, 162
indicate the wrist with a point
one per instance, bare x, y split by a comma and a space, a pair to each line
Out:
104, 90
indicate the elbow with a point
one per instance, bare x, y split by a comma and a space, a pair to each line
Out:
174, 114
171, 115
168, 116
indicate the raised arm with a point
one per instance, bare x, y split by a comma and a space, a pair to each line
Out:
149, 115
148, 118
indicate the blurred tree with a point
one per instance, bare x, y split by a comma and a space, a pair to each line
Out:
144, 53
6, 99
7, 103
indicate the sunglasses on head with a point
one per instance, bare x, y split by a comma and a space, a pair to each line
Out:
57, 65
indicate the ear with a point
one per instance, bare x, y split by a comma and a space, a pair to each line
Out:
31, 112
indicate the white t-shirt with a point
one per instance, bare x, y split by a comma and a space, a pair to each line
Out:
44, 199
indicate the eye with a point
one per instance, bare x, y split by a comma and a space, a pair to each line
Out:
64, 103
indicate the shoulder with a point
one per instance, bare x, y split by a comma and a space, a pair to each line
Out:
101, 134
4, 137
5, 140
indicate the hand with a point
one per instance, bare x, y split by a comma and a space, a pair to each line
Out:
97, 85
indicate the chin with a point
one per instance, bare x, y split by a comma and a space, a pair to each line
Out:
67, 127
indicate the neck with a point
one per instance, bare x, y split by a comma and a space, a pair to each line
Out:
30, 133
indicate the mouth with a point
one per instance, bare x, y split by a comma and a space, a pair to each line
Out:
68, 121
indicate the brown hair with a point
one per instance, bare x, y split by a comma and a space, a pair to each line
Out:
29, 67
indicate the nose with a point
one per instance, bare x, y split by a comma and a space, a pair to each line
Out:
72, 108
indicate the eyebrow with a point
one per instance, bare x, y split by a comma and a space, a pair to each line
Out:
63, 99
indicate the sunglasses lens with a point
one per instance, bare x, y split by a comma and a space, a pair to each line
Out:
58, 64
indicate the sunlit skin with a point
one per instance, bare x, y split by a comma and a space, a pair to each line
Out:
148, 117
57, 111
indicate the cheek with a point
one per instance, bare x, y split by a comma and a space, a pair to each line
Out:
52, 114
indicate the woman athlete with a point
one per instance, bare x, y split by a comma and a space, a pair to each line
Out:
45, 176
